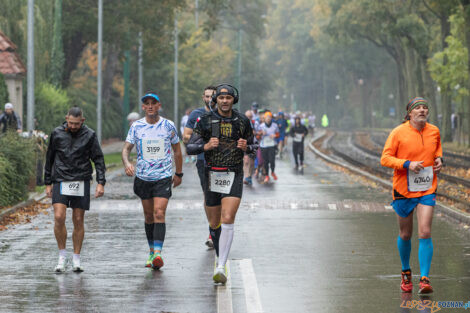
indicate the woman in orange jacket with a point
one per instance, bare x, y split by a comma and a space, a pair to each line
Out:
414, 151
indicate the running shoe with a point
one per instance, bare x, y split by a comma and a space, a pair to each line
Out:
406, 283
149, 260
274, 175
60, 267
424, 285
157, 261
209, 242
266, 179
76, 267
186, 160
220, 275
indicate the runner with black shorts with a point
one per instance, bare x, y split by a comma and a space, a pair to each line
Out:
154, 138
67, 175
188, 130
224, 136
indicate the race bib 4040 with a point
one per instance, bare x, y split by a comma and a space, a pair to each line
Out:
72, 188
221, 182
153, 149
421, 181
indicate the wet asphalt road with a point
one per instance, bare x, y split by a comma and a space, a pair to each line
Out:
316, 242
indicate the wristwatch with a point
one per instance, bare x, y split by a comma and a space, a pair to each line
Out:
179, 174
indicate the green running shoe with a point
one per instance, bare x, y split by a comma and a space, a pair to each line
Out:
149, 260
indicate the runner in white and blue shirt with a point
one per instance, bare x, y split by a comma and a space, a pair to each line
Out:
154, 138
152, 163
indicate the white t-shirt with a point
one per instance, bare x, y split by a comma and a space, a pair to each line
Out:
153, 144
266, 140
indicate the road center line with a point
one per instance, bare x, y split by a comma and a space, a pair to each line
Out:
253, 301
224, 294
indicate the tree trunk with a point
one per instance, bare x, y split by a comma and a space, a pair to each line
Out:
466, 117
446, 109
112, 58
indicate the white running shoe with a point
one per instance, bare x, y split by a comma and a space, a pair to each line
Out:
76, 267
60, 268
220, 275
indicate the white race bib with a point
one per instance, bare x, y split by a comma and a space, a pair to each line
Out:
268, 141
298, 137
153, 149
221, 182
421, 181
72, 188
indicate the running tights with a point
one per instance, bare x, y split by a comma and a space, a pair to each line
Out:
269, 157
298, 150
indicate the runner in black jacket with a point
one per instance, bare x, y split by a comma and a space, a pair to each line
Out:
298, 132
224, 136
67, 176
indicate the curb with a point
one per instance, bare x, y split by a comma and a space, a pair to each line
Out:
457, 215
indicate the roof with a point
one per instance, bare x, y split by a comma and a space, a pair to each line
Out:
10, 62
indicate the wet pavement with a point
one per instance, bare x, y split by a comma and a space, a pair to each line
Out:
316, 242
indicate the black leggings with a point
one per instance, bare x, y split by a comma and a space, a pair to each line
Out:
269, 157
298, 150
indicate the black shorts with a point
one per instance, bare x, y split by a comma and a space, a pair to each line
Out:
153, 189
200, 172
215, 198
73, 202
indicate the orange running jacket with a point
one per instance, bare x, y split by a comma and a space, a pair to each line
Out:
406, 143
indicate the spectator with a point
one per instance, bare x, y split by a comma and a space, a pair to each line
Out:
9, 120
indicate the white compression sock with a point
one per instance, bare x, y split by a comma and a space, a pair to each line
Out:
225, 242
63, 253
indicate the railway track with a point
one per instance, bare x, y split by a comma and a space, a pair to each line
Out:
380, 171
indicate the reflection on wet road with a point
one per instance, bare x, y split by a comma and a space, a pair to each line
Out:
307, 243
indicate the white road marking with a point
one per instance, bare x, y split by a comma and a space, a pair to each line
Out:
293, 206
253, 301
388, 207
224, 294
332, 206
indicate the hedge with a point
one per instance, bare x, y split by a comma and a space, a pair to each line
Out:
17, 167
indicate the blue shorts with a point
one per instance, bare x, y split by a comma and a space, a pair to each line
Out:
280, 138
404, 207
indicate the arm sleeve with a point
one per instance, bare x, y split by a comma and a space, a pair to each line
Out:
196, 141
389, 158
50, 155
98, 158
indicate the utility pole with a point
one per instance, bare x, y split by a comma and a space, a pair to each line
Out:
175, 96
125, 102
141, 72
30, 97
100, 61
239, 70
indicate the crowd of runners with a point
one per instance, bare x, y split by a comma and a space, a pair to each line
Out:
231, 150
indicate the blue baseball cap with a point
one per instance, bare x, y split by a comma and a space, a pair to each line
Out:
150, 95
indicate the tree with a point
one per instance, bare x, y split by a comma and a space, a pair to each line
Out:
57, 55
4, 96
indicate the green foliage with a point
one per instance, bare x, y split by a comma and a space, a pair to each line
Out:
52, 105
17, 164
4, 97
453, 73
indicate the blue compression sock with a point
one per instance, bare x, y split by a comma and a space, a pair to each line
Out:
404, 247
425, 252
